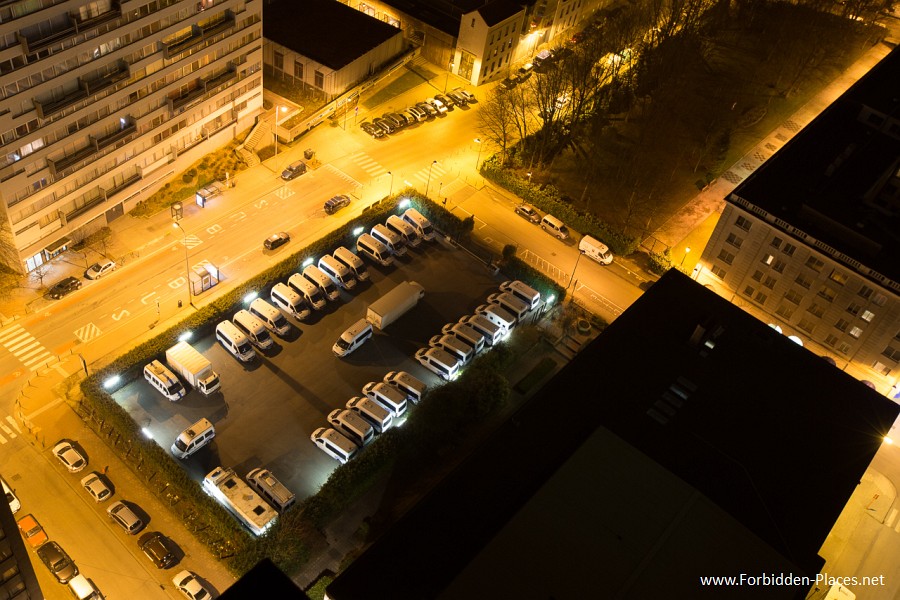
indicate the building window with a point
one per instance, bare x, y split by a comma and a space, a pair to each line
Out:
768, 259
879, 299
838, 277
779, 265
760, 297
881, 368
744, 223
831, 340
867, 316
719, 271
803, 281
842, 325
827, 293
776, 242
320, 80
793, 296
298, 69
734, 241
757, 276
815, 310
785, 310
770, 282
279, 61
807, 325
789, 249
892, 353
748, 291
865, 292
854, 308
814, 263
473, 22
844, 348
726, 257
855, 332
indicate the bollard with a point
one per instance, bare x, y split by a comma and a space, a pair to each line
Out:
179, 304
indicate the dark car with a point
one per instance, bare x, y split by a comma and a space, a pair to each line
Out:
295, 169
429, 109
385, 125
458, 99
63, 287
337, 203
527, 211
524, 72
59, 563
156, 548
508, 83
375, 132
276, 240
447, 101
396, 119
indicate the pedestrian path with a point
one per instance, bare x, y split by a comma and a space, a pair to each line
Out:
368, 164
341, 175
24, 347
9, 429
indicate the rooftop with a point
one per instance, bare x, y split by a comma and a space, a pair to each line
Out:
498, 11
443, 15
838, 180
688, 439
328, 32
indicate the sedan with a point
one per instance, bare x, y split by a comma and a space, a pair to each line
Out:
96, 487
337, 203
69, 456
526, 211
156, 548
385, 125
375, 132
429, 109
444, 100
277, 240
188, 584
32, 531
59, 563
98, 270
63, 287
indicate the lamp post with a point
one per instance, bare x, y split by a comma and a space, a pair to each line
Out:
529, 177
687, 251
572, 276
478, 159
427, 183
187, 266
278, 109
392, 183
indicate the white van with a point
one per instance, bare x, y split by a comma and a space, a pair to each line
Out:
493, 334
374, 249
289, 301
193, 438
406, 383
352, 425
404, 229
355, 336
235, 341
510, 304
253, 328
421, 224
334, 444
467, 334
338, 272
454, 346
375, 414
352, 262
309, 290
314, 275
83, 588
595, 249
387, 396
270, 316
497, 315
525, 293
390, 239
554, 226
272, 490
163, 380
439, 362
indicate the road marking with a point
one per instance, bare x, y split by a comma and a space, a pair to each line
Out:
7, 431
177, 283
338, 173
284, 192
890, 518
147, 297
214, 229
258, 205
238, 216
89, 332
24, 347
434, 171
191, 241
120, 315
14, 423
368, 164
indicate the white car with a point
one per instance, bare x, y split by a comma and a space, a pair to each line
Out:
439, 106
98, 270
188, 584
96, 487
14, 504
69, 456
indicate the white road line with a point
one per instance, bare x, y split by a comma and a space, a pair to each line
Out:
14, 424
15, 329
18, 340
24, 356
7, 431
890, 518
22, 346
3, 440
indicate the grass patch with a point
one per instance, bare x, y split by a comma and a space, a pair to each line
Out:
536, 375
317, 591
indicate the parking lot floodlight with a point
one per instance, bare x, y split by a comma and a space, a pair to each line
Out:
146, 433
404, 203
550, 300
185, 336
359, 231
111, 382
308, 262
248, 298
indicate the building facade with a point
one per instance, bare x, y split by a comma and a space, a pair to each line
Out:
99, 99
487, 41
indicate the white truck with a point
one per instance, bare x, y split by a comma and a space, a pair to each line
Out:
394, 304
193, 366
239, 498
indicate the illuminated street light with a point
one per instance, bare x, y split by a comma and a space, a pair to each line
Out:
404, 203
187, 266
427, 183
478, 160
686, 252
185, 336
359, 231
111, 382
250, 297
392, 182
307, 262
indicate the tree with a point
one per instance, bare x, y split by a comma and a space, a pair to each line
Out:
497, 121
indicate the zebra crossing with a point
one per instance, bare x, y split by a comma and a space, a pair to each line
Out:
368, 164
11, 430
436, 173
340, 174
190, 241
23, 346
891, 520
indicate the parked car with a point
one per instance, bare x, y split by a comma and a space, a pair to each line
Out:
64, 287
458, 99
99, 269
295, 169
384, 124
429, 109
32, 531
418, 113
470, 97
375, 132
156, 548
394, 119
57, 561
96, 487
277, 240
526, 211
439, 106
337, 203
524, 72
71, 458
444, 100
192, 588
122, 514
14, 504
508, 83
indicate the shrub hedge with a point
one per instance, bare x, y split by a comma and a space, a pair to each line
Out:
515, 268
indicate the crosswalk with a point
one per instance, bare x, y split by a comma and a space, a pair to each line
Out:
368, 164
11, 430
892, 521
23, 346
436, 171
340, 174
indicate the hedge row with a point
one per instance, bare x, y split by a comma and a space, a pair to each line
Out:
514, 267
549, 200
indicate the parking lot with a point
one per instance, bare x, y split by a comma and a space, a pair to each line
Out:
265, 411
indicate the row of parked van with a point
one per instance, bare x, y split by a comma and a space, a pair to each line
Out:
492, 322
365, 416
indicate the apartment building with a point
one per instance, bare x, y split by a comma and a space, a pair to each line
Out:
488, 38
810, 241
102, 101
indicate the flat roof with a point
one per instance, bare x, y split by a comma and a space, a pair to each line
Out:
328, 32
444, 15
836, 180
498, 11
688, 439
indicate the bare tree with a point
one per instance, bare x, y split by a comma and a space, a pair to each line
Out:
497, 121
40, 272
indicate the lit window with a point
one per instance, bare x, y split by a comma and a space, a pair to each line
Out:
867, 316
855, 332
768, 258
838, 277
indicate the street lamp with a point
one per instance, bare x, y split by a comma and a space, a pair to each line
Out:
187, 266
572, 276
278, 109
478, 159
427, 183
392, 183
529, 177
687, 251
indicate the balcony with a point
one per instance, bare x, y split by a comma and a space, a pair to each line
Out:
45, 40
85, 23
125, 133
110, 192
94, 86
59, 165
86, 88
219, 79
198, 35
179, 103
